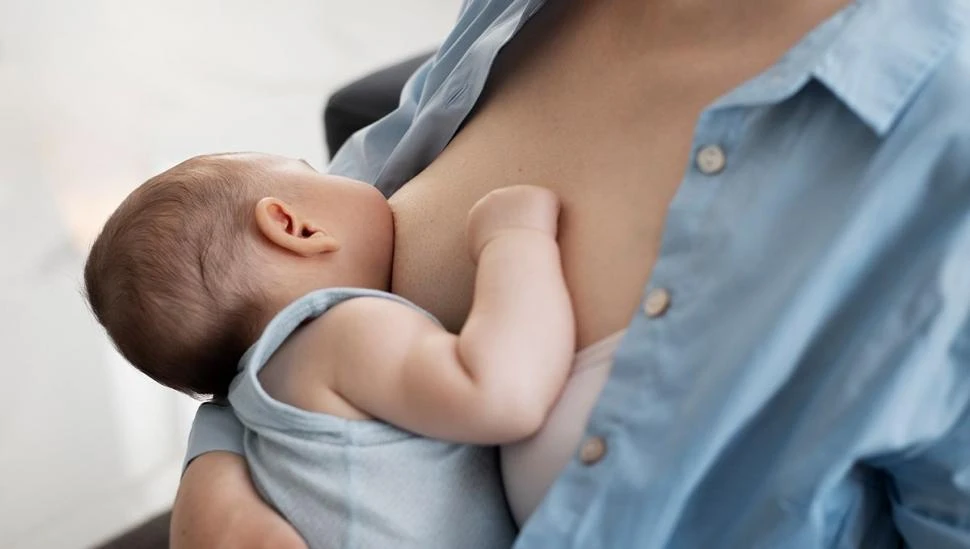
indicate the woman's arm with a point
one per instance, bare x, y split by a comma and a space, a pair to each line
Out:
217, 507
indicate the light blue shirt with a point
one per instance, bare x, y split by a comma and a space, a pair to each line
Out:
809, 383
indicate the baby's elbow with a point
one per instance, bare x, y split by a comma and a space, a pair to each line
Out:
514, 419
527, 423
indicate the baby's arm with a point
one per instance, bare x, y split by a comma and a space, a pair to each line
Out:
497, 380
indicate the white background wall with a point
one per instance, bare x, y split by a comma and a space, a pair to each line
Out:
96, 96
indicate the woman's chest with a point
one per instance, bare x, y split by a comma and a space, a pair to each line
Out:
553, 115
614, 198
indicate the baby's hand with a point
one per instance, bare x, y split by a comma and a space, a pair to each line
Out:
521, 207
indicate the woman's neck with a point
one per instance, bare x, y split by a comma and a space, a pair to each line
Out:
672, 23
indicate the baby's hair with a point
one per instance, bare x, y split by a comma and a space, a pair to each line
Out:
165, 277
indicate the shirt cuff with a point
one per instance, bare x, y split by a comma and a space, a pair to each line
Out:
215, 428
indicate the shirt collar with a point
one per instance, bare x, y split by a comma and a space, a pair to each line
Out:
885, 51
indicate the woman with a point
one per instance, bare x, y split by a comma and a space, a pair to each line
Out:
775, 192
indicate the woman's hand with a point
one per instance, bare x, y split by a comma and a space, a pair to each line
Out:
217, 507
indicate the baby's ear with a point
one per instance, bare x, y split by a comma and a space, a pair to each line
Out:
282, 224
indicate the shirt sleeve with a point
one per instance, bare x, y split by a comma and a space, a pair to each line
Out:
930, 482
215, 428
366, 153
931, 492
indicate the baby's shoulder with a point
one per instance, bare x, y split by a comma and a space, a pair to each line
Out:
369, 324
363, 334
307, 368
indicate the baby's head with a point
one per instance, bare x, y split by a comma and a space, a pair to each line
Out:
193, 264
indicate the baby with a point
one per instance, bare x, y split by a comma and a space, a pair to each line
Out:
255, 278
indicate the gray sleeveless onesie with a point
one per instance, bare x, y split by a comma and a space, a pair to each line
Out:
363, 484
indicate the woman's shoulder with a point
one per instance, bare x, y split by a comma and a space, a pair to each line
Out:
931, 135
942, 105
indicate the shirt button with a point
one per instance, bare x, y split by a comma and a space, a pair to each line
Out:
710, 159
657, 302
592, 450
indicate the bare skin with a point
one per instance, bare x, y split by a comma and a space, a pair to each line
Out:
596, 100
367, 358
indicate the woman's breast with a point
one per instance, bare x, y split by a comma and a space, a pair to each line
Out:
610, 226
605, 255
